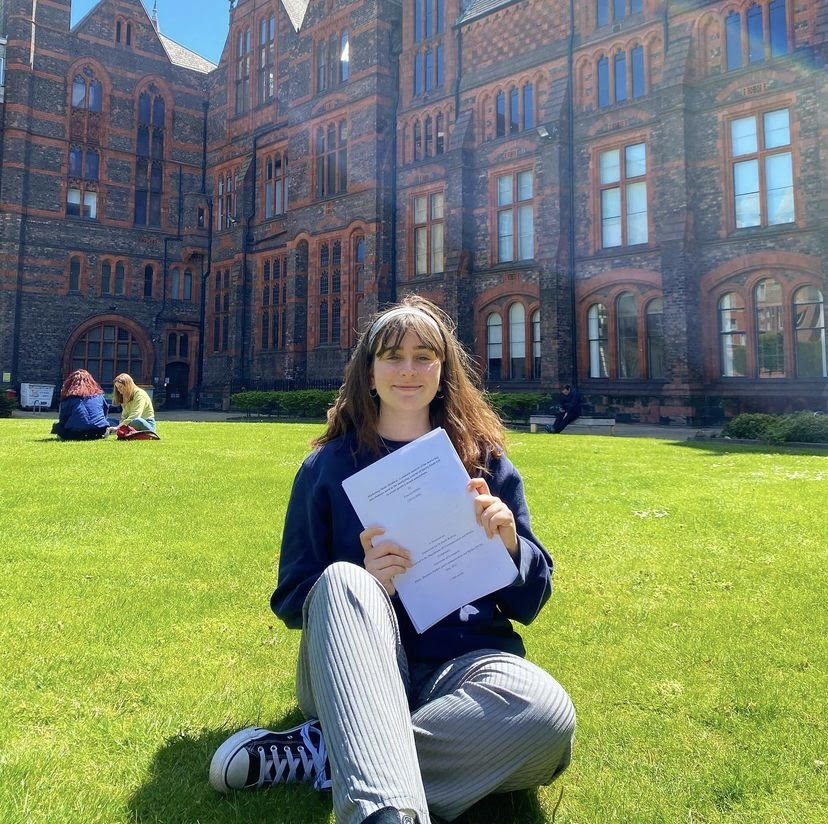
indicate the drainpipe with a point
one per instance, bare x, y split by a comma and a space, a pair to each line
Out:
394, 147
202, 311
570, 153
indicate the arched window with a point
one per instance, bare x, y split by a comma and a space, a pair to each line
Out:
359, 263
106, 278
78, 92
148, 278
603, 82
655, 339
175, 284
74, 274
418, 73
598, 330
441, 138
620, 76
118, 31
188, 285
501, 114
536, 345
149, 162
107, 350
429, 137
528, 106
629, 364
733, 40
514, 111
418, 141
770, 329
129, 34
242, 71
324, 335
732, 336
756, 40
809, 320
517, 341
637, 62
778, 23
120, 279
494, 346
95, 96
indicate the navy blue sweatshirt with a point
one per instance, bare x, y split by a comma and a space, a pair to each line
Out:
321, 527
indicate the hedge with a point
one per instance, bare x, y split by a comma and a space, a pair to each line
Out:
802, 427
299, 403
6, 406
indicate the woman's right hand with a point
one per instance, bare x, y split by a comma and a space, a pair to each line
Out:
385, 559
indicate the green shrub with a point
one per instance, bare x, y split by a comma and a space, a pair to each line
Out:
300, 403
6, 405
801, 427
517, 406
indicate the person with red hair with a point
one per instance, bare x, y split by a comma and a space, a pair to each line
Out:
83, 408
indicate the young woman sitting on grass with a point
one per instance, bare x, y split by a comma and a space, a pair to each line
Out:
83, 408
405, 725
135, 403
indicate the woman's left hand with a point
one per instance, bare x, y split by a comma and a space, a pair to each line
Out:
494, 516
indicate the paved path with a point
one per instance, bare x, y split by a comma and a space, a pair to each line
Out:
622, 430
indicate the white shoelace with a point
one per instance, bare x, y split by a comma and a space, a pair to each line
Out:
311, 759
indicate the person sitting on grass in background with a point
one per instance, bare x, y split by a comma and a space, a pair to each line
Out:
406, 725
569, 410
83, 408
135, 403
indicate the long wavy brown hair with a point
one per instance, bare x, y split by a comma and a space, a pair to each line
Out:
123, 388
80, 384
459, 407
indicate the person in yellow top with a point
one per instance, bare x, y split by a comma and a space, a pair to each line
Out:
136, 406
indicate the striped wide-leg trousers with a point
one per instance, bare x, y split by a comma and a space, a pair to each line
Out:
486, 722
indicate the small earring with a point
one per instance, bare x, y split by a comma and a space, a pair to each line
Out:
373, 392
439, 396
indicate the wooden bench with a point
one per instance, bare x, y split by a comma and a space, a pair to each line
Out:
586, 423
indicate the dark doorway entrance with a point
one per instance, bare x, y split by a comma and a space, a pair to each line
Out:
177, 380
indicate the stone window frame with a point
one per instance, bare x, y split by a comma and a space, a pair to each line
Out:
272, 297
182, 281
330, 162
513, 169
488, 106
137, 337
112, 291
743, 285
123, 26
220, 310
275, 205
427, 226
330, 73
610, 55
613, 11
266, 59
758, 109
428, 40
242, 57
418, 125
620, 144
327, 282
741, 9
644, 294
501, 307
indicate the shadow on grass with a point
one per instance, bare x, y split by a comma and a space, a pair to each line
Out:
177, 790
719, 446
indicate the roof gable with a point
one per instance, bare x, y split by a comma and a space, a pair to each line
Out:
478, 8
296, 10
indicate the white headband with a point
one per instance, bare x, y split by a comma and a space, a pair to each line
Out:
382, 321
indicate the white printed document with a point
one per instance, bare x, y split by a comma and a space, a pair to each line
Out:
419, 494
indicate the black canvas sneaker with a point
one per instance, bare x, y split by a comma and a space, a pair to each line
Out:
390, 815
256, 757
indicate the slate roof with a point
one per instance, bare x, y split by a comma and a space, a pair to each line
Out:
181, 56
296, 10
479, 8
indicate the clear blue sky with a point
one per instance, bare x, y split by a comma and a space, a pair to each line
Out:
200, 25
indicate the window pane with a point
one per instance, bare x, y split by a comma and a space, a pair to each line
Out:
603, 82
420, 209
810, 353
92, 165
628, 355
746, 193
769, 326
779, 181
494, 346
777, 129
526, 232
778, 28
611, 217
90, 204
504, 190
756, 45
504, 236
437, 206
655, 339
437, 248
635, 160
598, 343
637, 213
620, 77
517, 342
501, 114
528, 107
602, 12
733, 37
420, 241
638, 71
743, 136
610, 163
525, 182
514, 111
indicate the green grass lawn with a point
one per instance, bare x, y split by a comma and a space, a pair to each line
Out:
688, 624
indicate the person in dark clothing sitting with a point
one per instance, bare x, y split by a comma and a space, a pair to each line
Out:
83, 408
569, 409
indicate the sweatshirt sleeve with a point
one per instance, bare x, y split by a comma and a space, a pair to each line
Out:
522, 600
306, 544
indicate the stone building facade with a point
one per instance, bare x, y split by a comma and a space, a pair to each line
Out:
622, 194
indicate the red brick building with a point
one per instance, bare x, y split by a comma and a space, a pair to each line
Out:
626, 194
